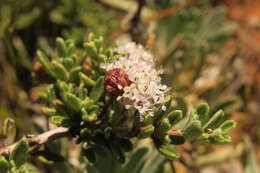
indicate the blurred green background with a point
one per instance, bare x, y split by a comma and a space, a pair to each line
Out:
208, 48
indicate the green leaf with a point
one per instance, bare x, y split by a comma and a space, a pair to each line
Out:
9, 130
60, 120
45, 62
48, 157
169, 151
146, 131
98, 42
175, 116
87, 80
137, 160
91, 36
64, 89
159, 114
250, 158
69, 63
154, 163
102, 58
148, 119
203, 112
89, 117
98, 90
61, 47
227, 126
177, 140
74, 74
165, 138
109, 52
49, 111
220, 139
50, 93
19, 154
91, 49
164, 126
194, 130
73, 102
59, 71
215, 120
4, 166
25, 19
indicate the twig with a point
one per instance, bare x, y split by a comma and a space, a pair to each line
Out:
168, 11
134, 28
110, 6
36, 141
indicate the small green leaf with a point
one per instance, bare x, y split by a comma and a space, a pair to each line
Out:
9, 130
137, 160
87, 80
98, 90
73, 102
49, 111
50, 93
98, 42
215, 120
74, 74
59, 71
4, 166
109, 52
146, 131
148, 119
203, 112
220, 139
227, 126
68, 63
250, 157
60, 120
64, 89
89, 117
19, 154
85, 132
91, 37
177, 140
48, 157
102, 58
194, 130
164, 126
159, 114
175, 116
169, 151
165, 138
154, 163
61, 47
91, 49
45, 62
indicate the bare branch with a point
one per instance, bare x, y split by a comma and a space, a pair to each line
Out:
35, 141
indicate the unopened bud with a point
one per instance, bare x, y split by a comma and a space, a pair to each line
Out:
115, 81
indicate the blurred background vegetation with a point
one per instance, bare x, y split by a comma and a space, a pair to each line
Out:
208, 48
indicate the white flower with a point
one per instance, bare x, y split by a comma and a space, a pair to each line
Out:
146, 89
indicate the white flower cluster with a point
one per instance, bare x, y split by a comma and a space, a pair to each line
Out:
146, 89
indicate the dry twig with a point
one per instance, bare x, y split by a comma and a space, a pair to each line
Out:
38, 140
